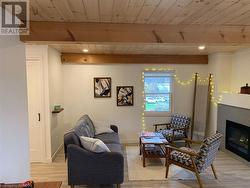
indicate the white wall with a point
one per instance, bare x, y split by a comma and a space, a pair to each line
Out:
74, 90
14, 138
79, 98
76, 85
231, 72
56, 98
220, 65
240, 69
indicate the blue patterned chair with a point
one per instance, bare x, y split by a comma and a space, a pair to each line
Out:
177, 129
192, 160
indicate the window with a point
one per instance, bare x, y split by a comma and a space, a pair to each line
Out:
158, 92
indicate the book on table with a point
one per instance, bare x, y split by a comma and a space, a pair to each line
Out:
152, 140
152, 147
149, 146
151, 134
148, 134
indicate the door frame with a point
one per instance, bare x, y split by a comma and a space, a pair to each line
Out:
40, 54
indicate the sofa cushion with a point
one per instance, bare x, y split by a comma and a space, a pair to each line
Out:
115, 148
84, 127
90, 124
102, 127
109, 137
93, 144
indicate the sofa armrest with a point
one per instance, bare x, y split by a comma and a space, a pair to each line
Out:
85, 167
114, 128
70, 138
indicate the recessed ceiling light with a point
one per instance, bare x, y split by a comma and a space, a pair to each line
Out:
85, 50
201, 47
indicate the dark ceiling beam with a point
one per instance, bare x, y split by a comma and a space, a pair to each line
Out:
71, 58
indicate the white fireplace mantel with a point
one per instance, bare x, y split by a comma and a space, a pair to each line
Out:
237, 100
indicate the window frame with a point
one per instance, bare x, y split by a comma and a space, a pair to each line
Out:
155, 113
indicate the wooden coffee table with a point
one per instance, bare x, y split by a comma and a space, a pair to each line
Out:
152, 145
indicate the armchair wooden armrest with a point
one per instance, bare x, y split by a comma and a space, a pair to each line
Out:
192, 141
161, 124
189, 142
171, 148
178, 129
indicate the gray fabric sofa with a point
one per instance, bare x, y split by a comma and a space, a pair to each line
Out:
89, 168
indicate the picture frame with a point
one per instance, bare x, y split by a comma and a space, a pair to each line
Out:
125, 95
102, 87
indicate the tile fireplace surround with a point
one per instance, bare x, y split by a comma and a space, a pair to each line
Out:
231, 111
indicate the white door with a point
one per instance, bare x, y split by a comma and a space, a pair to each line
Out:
35, 106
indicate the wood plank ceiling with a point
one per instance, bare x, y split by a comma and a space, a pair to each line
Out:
163, 12
171, 12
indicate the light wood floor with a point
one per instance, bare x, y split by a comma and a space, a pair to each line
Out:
232, 172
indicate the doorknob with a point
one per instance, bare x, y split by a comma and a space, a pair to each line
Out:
39, 117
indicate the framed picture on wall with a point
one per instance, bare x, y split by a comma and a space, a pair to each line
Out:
125, 95
102, 87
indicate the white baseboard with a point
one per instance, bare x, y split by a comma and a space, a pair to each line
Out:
57, 151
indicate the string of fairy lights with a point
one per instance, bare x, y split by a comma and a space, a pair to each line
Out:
219, 99
185, 83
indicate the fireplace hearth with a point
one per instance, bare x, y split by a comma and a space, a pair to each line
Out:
238, 139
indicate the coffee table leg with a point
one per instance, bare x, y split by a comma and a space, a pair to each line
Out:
143, 154
140, 146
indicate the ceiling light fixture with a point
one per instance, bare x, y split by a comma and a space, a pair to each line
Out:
85, 50
202, 47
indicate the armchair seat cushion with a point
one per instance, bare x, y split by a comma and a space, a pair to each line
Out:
182, 158
189, 149
168, 133
109, 137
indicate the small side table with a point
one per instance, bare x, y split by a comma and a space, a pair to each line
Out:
152, 145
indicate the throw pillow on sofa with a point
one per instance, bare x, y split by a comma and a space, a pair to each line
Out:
102, 127
93, 144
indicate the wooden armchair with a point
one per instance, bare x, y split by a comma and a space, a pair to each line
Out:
192, 160
177, 129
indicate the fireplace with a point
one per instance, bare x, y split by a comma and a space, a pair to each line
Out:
238, 139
